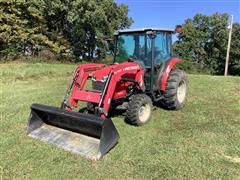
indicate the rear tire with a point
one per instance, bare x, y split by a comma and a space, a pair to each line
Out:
139, 110
176, 90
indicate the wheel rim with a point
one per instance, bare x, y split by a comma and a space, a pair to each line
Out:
181, 91
144, 112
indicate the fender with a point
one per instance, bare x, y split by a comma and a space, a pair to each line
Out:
165, 71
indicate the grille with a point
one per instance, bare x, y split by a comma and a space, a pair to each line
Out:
98, 85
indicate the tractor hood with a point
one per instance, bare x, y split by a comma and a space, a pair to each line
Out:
102, 73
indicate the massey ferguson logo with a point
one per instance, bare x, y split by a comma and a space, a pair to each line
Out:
127, 69
131, 68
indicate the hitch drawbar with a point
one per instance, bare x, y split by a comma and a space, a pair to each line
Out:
84, 134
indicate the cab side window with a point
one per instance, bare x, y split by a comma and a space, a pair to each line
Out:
162, 47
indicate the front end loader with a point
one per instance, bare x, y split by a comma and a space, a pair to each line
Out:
141, 73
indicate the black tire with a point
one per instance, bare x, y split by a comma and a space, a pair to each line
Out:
139, 110
174, 97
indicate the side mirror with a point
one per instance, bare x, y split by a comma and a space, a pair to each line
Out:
178, 29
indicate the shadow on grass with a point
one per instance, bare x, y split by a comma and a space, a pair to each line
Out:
111, 114
120, 112
157, 105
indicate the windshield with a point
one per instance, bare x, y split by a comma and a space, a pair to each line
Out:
136, 47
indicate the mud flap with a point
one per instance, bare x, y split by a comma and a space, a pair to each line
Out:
84, 134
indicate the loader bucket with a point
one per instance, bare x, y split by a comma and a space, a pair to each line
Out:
84, 134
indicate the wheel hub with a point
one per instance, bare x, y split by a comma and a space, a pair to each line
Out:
181, 91
141, 110
144, 112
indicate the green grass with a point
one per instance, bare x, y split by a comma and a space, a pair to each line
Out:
200, 141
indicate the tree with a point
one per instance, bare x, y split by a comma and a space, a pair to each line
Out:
94, 23
23, 29
234, 64
204, 40
73, 28
86, 23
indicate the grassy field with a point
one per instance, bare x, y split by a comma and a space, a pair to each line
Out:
200, 141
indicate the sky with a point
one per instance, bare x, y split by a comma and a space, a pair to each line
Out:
168, 13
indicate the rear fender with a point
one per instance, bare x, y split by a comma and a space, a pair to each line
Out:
165, 71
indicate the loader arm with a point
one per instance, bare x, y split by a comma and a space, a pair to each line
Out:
79, 77
130, 72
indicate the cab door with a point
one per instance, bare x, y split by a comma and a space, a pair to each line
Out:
162, 52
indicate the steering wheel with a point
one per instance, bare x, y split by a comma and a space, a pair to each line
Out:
131, 58
134, 59
160, 55
141, 63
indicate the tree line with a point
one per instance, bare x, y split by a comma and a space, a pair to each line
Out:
68, 28
203, 43
78, 29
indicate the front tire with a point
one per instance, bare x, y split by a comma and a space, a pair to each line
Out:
139, 110
176, 90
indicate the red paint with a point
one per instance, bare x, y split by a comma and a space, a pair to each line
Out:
168, 69
116, 88
87, 96
68, 108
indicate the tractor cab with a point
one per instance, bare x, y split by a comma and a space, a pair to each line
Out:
150, 47
147, 46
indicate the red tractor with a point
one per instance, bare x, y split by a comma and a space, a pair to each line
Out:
141, 73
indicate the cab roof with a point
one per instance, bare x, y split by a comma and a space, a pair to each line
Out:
143, 30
